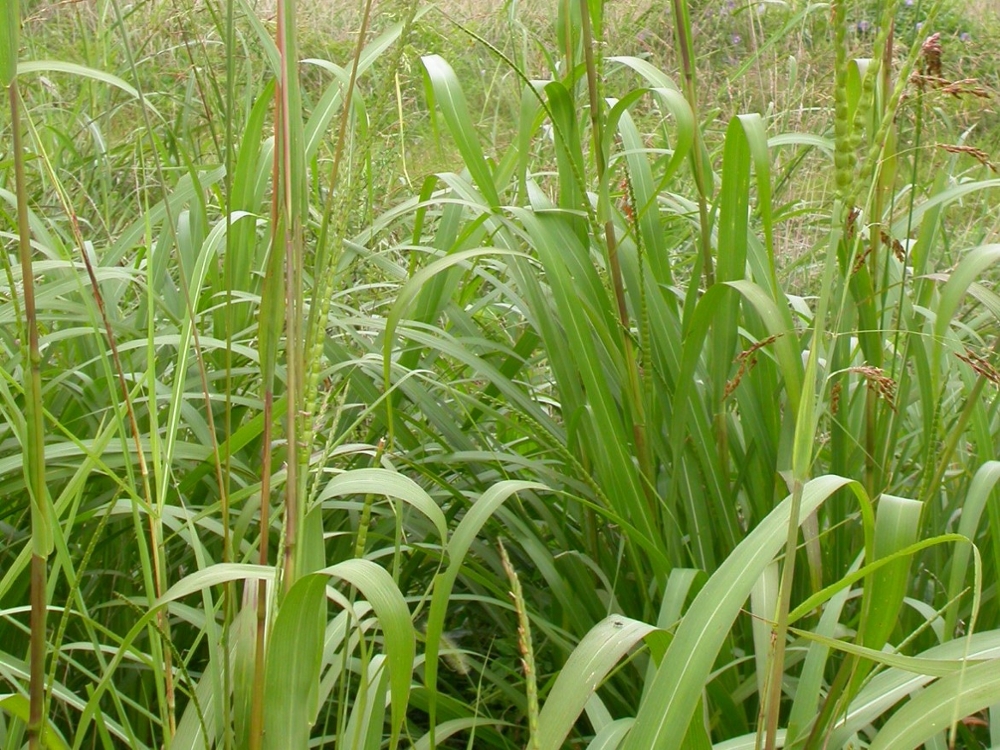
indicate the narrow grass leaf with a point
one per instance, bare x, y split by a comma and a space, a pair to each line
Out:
264, 37
647, 70
82, 71
889, 687
410, 291
365, 728
645, 191
331, 99
763, 606
611, 736
569, 156
968, 270
943, 198
809, 692
815, 600
590, 330
914, 664
214, 575
452, 727
731, 261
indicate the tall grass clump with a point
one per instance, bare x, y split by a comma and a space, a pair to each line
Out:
497, 378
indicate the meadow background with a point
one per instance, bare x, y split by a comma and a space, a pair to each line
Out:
575, 374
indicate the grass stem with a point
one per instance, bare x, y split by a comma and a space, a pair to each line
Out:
34, 447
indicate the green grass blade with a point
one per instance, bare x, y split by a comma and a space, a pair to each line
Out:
913, 664
948, 700
377, 586
891, 686
291, 677
451, 727
974, 504
587, 667
458, 547
969, 270
666, 712
763, 605
10, 42
896, 527
82, 71
385, 482
569, 156
815, 600
449, 97
611, 736
331, 100
943, 198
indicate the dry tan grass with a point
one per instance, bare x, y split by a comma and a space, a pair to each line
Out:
339, 18
983, 9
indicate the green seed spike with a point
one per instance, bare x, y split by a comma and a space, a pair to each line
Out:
843, 155
872, 158
10, 28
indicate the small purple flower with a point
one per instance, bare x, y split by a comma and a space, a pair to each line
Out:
908, 3
918, 25
863, 27
965, 36
735, 39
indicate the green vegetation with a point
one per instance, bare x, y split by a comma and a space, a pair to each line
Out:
587, 375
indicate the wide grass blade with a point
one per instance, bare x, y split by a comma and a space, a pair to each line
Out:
981, 489
291, 677
447, 95
897, 521
458, 547
666, 712
588, 665
940, 705
385, 482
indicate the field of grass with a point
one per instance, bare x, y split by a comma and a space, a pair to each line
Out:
541, 375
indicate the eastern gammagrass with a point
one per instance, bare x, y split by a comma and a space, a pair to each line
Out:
478, 403
573, 305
